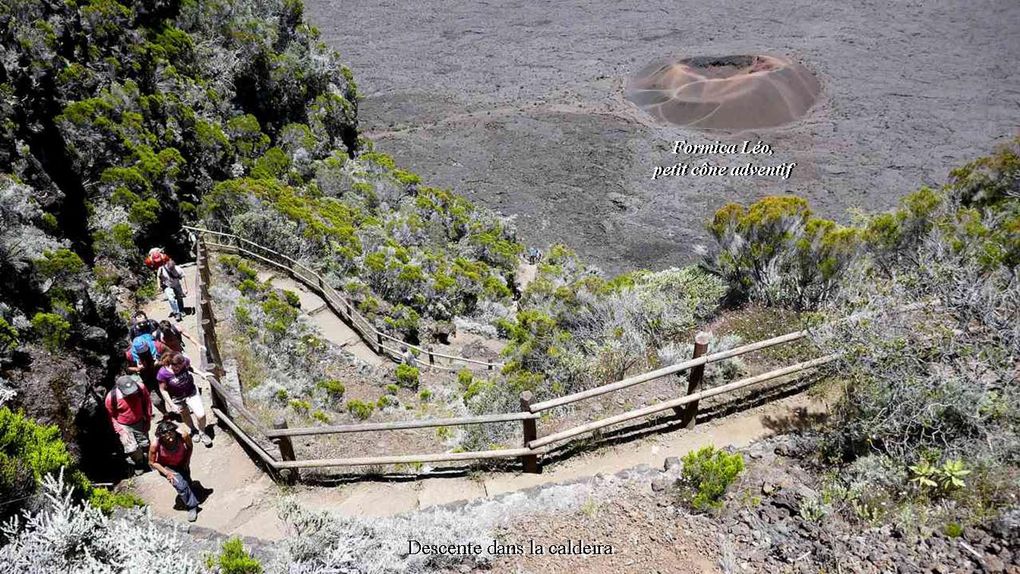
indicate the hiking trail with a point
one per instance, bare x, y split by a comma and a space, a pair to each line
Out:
244, 499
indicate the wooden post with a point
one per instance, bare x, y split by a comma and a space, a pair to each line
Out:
530, 461
378, 340
218, 402
432, 358
694, 377
288, 475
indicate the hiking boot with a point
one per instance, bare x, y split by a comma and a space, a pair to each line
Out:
205, 439
192, 514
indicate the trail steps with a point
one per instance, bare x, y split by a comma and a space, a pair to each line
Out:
245, 500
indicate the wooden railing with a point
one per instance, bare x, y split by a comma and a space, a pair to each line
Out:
228, 409
383, 344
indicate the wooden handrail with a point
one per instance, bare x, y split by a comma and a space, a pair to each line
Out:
407, 458
234, 405
534, 446
400, 425
666, 405
243, 436
670, 370
368, 332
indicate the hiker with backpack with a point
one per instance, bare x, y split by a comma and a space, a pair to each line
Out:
177, 381
170, 455
173, 337
130, 410
143, 360
141, 324
174, 286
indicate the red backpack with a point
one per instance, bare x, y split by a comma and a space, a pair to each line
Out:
156, 258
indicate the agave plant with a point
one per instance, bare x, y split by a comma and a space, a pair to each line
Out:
951, 475
925, 474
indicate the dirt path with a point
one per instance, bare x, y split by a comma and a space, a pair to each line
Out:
244, 500
331, 326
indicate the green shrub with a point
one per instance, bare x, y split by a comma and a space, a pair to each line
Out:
425, 395
334, 388
707, 473
300, 406
292, 299
53, 329
384, 401
940, 480
234, 559
60, 264
775, 251
28, 451
250, 287
147, 289
107, 501
281, 395
321, 417
8, 337
953, 530
360, 409
407, 376
392, 389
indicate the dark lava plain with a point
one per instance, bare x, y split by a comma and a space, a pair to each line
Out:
519, 105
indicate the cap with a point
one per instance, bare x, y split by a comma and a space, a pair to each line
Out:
140, 345
126, 385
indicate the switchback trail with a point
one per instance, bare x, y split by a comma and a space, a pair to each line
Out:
244, 500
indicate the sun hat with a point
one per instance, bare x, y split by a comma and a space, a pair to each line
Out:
126, 385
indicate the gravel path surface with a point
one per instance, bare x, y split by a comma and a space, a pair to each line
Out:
519, 105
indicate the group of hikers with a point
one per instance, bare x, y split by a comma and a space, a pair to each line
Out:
159, 374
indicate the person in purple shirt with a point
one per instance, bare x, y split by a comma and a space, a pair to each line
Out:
177, 381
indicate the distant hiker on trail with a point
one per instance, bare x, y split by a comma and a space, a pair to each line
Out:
174, 286
143, 360
407, 357
142, 324
130, 409
177, 381
534, 255
173, 337
170, 456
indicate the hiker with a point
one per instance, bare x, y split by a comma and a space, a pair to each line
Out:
177, 381
142, 360
534, 255
142, 324
174, 286
130, 409
173, 337
155, 258
170, 456
407, 357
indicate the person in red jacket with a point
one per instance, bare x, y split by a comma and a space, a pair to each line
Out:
130, 409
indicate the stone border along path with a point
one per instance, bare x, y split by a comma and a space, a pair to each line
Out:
244, 499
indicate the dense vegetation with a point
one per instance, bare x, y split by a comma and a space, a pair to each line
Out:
922, 304
116, 118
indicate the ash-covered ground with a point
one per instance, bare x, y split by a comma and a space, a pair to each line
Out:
519, 105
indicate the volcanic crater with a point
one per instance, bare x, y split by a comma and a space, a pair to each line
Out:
725, 93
